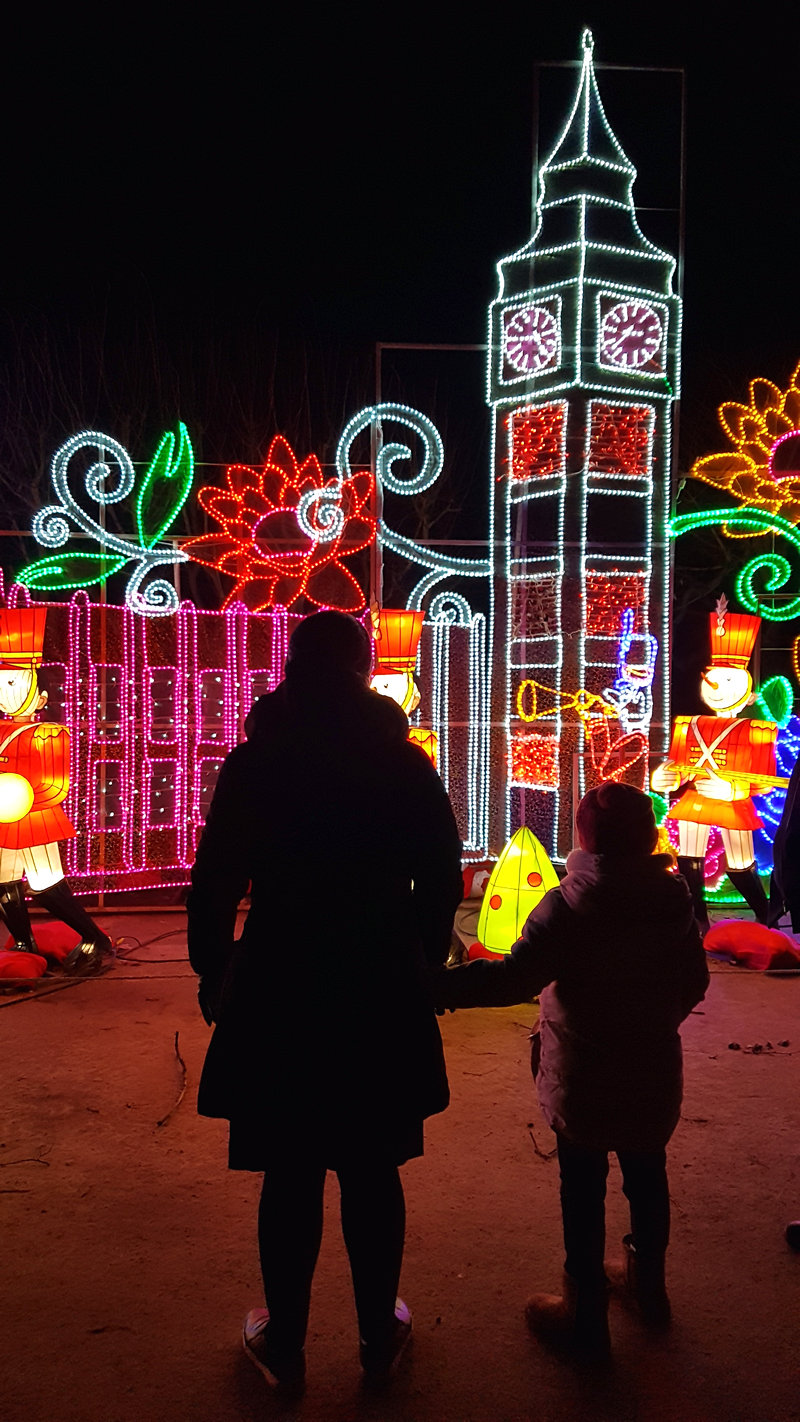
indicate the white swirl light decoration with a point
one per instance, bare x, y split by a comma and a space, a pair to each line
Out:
319, 513
54, 525
452, 608
389, 454
49, 527
159, 598
96, 481
95, 485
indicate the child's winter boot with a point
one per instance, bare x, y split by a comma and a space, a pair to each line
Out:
641, 1282
576, 1318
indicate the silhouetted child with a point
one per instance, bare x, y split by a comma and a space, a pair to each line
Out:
615, 953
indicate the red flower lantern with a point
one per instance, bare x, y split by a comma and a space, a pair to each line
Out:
285, 532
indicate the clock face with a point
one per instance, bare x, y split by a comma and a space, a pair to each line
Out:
530, 338
630, 335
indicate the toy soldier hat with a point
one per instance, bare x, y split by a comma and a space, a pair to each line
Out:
397, 632
21, 636
732, 635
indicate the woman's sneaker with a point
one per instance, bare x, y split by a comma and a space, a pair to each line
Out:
378, 1359
286, 1371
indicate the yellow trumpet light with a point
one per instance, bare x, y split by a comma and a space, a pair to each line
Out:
520, 879
16, 797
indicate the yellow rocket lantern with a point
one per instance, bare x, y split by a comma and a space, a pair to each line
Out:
520, 879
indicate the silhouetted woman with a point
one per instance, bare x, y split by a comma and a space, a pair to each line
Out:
326, 1053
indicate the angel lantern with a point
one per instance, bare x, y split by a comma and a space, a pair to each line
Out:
34, 779
397, 632
726, 759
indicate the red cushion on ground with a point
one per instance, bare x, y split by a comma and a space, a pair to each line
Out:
53, 939
476, 876
21, 965
752, 944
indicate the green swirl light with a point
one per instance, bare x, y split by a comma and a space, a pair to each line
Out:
773, 567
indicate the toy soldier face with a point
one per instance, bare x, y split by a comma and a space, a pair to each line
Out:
400, 686
726, 689
16, 686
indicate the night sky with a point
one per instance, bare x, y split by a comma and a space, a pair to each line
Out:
216, 218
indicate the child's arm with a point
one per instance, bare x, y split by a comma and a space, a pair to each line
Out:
500, 982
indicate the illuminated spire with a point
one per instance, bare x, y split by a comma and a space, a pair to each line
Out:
587, 142
584, 205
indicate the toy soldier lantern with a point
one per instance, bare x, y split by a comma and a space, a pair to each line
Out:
397, 632
34, 779
726, 759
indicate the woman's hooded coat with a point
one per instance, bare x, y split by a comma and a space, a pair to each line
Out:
346, 837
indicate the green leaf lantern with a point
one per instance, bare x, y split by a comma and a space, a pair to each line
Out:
164, 488
69, 570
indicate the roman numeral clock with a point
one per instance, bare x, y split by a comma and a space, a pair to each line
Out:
583, 376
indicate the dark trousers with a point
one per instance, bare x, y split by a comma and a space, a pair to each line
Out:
583, 1194
290, 1232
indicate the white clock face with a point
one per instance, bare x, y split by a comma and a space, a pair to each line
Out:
530, 338
630, 335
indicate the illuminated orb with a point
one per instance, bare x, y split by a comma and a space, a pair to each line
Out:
16, 797
520, 879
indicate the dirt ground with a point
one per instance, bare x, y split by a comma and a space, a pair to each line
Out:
129, 1253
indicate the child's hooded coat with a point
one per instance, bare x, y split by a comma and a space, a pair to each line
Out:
615, 955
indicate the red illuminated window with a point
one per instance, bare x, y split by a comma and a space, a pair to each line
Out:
537, 442
534, 761
606, 600
620, 439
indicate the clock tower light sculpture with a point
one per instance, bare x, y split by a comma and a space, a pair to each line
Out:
583, 375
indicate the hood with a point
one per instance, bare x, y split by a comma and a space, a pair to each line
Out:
641, 885
346, 713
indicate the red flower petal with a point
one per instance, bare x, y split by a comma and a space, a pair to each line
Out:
362, 485
219, 504
309, 475
214, 550
288, 590
280, 456
272, 483
358, 533
241, 478
280, 534
332, 586
254, 506
257, 594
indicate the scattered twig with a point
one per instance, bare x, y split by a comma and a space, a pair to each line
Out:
542, 1154
29, 1159
29, 990
14, 1190
182, 1092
